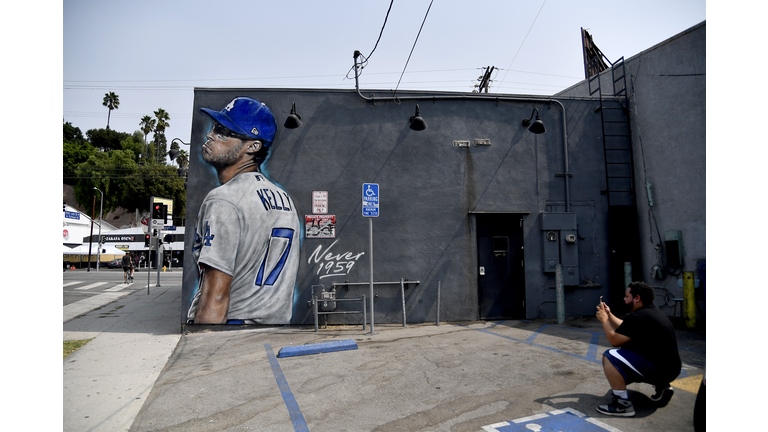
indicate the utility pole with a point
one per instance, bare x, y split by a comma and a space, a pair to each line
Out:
485, 79
90, 239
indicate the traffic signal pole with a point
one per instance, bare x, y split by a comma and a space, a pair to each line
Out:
157, 256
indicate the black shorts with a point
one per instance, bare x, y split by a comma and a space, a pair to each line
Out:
633, 367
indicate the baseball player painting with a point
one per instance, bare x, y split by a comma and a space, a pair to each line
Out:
247, 236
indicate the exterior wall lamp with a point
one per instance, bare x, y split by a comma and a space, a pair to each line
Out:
294, 120
538, 126
417, 123
535, 127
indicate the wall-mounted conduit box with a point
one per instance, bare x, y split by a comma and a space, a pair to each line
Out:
560, 245
673, 245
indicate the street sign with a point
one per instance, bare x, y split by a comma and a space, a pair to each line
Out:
370, 200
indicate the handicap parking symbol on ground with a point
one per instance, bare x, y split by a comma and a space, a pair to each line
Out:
567, 419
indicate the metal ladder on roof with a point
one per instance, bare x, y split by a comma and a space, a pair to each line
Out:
617, 138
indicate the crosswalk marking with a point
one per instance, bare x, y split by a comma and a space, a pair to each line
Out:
72, 283
117, 287
94, 285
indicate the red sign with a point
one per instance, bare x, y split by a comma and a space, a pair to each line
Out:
320, 226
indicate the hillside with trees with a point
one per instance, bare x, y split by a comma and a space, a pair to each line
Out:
126, 167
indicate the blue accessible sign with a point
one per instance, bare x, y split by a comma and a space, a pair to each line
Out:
370, 200
566, 419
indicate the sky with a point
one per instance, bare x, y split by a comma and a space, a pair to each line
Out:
153, 54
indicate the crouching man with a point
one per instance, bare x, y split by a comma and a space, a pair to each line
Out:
647, 350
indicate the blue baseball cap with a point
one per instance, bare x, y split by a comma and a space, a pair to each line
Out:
247, 117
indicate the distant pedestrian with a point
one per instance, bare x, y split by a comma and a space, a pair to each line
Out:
127, 268
648, 350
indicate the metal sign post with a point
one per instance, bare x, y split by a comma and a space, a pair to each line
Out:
371, 210
149, 266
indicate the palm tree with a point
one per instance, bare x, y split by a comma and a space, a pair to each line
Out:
162, 123
147, 125
111, 101
182, 159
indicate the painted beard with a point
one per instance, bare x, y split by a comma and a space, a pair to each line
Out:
224, 159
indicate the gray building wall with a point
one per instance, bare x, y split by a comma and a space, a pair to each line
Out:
432, 192
667, 96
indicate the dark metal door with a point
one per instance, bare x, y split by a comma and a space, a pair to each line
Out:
501, 276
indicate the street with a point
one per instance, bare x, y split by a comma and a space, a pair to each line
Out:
81, 284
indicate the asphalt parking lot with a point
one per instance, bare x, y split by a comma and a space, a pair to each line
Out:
471, 376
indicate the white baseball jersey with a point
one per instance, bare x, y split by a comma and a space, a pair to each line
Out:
248, 228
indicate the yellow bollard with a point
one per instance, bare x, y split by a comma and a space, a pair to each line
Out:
689, 300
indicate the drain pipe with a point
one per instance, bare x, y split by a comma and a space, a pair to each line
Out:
478, 96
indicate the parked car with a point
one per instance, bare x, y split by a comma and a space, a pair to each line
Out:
115, 263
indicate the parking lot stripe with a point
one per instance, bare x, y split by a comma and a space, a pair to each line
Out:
591, 351
297, 418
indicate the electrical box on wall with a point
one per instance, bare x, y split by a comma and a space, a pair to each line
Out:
673, 245
560, 245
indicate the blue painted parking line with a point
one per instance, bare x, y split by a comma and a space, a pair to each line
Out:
299, 425
567, 419
591, 351
591, 355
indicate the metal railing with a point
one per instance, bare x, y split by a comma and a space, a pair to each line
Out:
402, 284
316, 299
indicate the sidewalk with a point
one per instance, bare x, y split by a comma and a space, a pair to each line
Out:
107, 380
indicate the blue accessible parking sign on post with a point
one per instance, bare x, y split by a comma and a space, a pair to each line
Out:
370, 199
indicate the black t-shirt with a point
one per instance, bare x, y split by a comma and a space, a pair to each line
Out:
127, 261
653, 337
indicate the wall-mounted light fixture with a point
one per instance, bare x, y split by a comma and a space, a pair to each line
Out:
417, 123
478, 96
538, 126
294, 120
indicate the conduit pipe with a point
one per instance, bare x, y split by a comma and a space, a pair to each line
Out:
480, 97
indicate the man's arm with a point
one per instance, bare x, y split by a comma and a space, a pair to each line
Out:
214, 297
610, 324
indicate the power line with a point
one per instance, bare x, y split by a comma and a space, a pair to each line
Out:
523, 42
414, 44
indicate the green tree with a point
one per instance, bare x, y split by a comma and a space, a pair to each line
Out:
159, 181
159, 138
72, 134
109, 172
76, 150
106, 139
134, 145
111, 101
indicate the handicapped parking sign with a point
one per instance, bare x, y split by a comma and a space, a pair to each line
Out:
566, 419
370, 199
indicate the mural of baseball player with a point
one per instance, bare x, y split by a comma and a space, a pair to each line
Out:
247, 236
